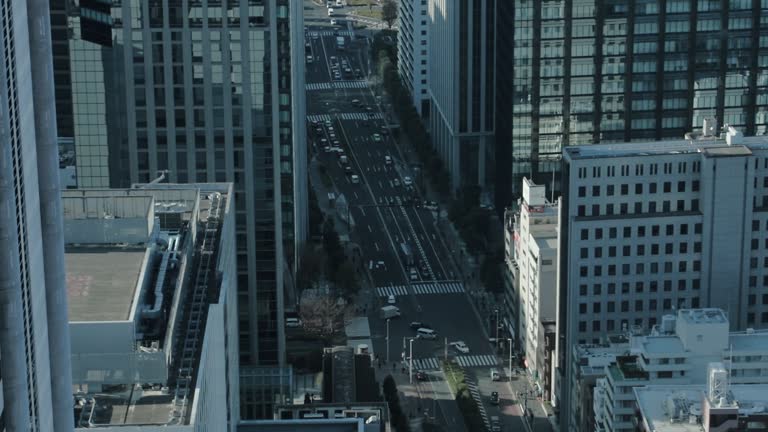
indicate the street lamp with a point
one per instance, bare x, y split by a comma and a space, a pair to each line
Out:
410, 361
387, 340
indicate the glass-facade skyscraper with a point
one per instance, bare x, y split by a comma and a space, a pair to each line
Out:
202, 91
585, 71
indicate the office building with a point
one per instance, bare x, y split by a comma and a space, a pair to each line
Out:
679, 351
650, 227
412, 46
510, 305
581, 72
461, 85
535, 257
205, 92
152, 288
34, 336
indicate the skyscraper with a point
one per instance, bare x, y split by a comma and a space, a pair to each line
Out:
461, 83
575, 72
412, 49
203, 92
35, 371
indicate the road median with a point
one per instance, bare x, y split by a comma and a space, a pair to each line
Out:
454, 374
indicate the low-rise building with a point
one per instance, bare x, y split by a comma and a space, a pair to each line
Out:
151, 278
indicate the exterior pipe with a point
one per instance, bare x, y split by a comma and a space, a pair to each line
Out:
51, 220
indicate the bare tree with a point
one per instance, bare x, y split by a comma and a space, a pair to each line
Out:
389, 12
311, 267
322, 314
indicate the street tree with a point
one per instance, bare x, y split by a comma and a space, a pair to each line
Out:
311, 266
346, 279
333, 248
389, 12
322, 314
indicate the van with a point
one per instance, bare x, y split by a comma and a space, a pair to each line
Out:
495, 376
425, 333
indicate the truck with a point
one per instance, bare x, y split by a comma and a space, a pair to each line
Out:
390, 311
340, 42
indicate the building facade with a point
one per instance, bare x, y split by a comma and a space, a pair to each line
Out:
576, 72
461, 85
535, 257
412, 46
650, 227
34, 337
202, 92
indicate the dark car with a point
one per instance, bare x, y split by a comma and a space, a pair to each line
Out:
421, 376
494, 398
415, 325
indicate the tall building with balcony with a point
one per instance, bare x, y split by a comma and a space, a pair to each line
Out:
577, 72
35, 380
650, 227
202, 91
461, 86
152, 288
412, 46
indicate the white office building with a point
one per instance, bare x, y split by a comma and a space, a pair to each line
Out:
152, 288
412, 46
679, 351
534, 256
650, 227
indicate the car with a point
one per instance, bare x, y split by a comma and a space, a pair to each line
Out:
425, 333
315, 36
348, 170
331, 129
384, 130
292, 322
369, 108
355, 179
337, 76
333, 21
328, 123
407, 181
424, 273
421, 376
376, 137
391, 299
430, 205
358, 74
327, 149
355, 102
332, 136
415, 325
396, 182
371, 114
494, 398
414, 275
333, 59
460, 347
388, 160
309, 59
323, 142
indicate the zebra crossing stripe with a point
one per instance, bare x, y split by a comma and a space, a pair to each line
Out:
331, 33
476, 360
358, 84
422, 289
345, 116
425, 364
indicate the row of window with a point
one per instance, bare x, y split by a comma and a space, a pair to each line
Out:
640, 286
639, 207
641, 230
625, 306
639, 188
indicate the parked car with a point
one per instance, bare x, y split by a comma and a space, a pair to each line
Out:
494, 398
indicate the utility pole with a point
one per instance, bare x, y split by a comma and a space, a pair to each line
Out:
510, 355
446, 349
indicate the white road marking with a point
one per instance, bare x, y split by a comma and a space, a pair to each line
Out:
376, 245
362, 211
370, 229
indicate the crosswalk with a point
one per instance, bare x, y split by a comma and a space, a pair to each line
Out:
473, 390
355, 84
426, 364
476, 360
345, 116
445, 287
330, 33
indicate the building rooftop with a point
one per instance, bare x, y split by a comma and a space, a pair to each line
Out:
546, 242
662, 344
715, 146
668, 408
749, 341
102, 281
703, 316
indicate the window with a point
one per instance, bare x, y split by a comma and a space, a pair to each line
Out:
639, 188
595, 191
652, 188
585, 234
612, 232
609, 190
624, 189
582, 308
598, 233
582, 191
611, 306
582, 290
596, 326
667, 187
582, 326
596, 307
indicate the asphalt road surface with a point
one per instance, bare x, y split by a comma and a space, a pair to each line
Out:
351, 138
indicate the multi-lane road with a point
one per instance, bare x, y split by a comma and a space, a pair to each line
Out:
402, 248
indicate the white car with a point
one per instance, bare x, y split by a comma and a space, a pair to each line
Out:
391, 299
355, 179
333, 22
407, 181
460, 347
